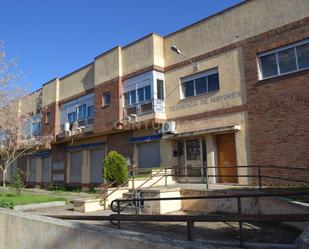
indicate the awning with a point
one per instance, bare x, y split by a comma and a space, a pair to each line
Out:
85, 146
144, 138
231, 128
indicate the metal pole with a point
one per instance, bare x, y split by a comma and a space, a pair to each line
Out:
207, 184
118, 213
260, 178
165, 177
241, 239
190, 227
133, 178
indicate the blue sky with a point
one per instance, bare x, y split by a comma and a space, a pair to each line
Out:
52, 38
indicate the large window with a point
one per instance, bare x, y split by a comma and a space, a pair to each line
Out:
72, 117
130, 98
82, 112
284, 60
201, 83
144, 93
80, 109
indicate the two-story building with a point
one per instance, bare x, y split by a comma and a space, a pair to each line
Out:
242, 100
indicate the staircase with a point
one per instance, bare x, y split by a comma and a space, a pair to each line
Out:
135, 185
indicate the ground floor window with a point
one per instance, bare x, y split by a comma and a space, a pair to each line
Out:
46, 169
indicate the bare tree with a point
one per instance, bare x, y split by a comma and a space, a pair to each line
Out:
16, 134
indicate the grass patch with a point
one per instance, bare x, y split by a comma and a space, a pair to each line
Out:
11, 199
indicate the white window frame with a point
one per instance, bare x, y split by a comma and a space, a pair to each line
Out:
197, 76
275, 51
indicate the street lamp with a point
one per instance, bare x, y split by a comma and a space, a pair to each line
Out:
177, 51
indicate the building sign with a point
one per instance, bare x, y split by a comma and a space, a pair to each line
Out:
205, 101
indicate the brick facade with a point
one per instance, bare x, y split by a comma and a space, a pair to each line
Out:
51, 127
107, 117
120, 143
278, 107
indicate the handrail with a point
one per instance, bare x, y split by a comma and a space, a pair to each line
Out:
258, 174
103, 200
190, 221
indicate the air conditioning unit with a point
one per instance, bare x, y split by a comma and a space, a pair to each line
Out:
168, 127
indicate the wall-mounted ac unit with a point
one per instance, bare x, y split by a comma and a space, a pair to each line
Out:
168, 127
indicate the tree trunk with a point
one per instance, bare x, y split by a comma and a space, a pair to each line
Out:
4, 174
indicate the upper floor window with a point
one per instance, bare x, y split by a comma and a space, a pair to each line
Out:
36, 128
130, 98
82, 111
90, 111
284, 60
144, 93
160, 89
48, 118
72, 117
200, 83
107, 98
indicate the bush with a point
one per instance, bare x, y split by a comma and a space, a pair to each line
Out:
115, 169
17, 182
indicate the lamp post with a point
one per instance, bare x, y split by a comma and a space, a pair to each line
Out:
177, 51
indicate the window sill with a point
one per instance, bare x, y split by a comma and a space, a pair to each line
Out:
104, 106
281, 77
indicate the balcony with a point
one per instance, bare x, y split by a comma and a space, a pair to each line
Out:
144, 108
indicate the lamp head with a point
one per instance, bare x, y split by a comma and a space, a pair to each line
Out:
175, 49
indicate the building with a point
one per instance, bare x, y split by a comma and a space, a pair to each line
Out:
245, 104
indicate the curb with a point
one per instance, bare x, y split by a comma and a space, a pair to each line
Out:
39, 205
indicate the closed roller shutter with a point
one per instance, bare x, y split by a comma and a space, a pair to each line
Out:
13, 170
149, 155
97, 157
46, 169
32, 169
76, 160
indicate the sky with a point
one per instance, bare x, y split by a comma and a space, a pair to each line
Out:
51, 38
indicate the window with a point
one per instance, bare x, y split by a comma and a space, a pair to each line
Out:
144, 93
284, 60
72, 117
48, 118
90, 111
82, 111
200, 84
36, 128
130, 98
160, 90
106, 100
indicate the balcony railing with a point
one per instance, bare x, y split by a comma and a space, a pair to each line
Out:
145, 107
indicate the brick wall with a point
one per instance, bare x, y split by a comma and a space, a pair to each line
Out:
278, 113
51, 127
106, 117
120, 143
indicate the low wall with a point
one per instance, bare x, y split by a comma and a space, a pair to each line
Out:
262, 205
226, 205
23, 230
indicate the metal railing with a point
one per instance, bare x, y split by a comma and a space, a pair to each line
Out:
191, 219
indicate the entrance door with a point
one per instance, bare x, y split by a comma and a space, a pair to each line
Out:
96, 162
226, 155
194, 160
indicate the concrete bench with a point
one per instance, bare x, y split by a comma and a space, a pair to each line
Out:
87, 205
